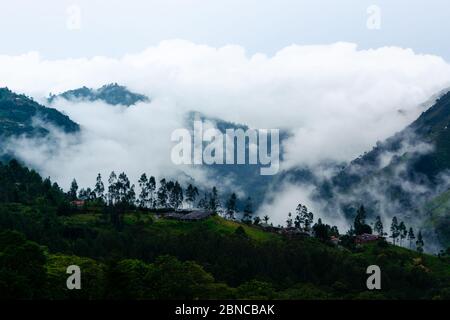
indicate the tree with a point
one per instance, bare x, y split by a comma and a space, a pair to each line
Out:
378, 227
99, 188
191, 195
304, 218
359, 224
22, 267
86, 194
91, 194
248, 210
170, 185
297, 221
403, 232
175, 195
162, 194
266, 219
394, 230
231, 206
289, 220
203, 203
170, 278
125, 191
309, 218
73, 190
151, 187
321, 231
300, 217
144, 194
419, 243
411, 237
324, 231
82, 194
112, 188
334, 231
214, 200
130, 197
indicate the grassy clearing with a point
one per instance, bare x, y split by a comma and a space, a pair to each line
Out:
149, 220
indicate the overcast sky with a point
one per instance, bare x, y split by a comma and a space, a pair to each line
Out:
113, 28
339, 74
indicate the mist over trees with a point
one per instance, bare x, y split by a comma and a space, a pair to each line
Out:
169, 194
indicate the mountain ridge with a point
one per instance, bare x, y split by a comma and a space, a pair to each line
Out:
399, 176
18, 113
112, 94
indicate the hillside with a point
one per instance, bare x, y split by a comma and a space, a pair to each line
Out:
246, 178
400, 175
437, 212
112, 94
149, 257
20, 115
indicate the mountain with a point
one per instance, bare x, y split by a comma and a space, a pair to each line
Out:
405, 176
20, 115
242, 179
112, 94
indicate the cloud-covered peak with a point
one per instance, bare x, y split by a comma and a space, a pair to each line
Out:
112, 94
336, 99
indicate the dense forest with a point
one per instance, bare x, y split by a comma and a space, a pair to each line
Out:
127, 250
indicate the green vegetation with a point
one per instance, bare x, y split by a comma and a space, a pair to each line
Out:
407, 171
149, 257
18, 114
438, 217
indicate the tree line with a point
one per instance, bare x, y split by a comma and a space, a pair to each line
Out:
163, 195
399, 233
170, 194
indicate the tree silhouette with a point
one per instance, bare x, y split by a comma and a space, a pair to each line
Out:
73, 190
99, 188
411, 237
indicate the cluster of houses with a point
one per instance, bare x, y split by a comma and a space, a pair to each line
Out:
200, 214
296, 232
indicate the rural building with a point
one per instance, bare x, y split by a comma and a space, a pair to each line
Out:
188, 215
366, 238
77, 203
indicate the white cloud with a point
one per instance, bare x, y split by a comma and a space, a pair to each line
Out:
286, 198
338, 100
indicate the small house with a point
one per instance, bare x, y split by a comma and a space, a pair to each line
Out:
78, 203
188, 215
366, 238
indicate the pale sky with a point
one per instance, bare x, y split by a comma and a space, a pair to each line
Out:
116, 27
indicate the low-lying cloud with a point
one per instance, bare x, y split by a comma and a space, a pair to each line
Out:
337, 100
